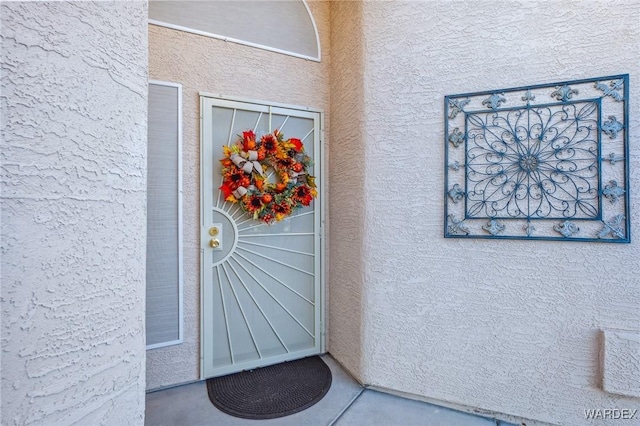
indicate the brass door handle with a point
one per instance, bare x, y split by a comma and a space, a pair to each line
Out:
214, 243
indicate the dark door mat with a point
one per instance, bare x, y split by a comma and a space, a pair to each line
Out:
269, 392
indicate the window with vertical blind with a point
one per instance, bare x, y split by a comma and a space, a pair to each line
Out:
164, 215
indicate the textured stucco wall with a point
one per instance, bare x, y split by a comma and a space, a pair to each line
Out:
348, 195
507, 326
207, 64
74, 102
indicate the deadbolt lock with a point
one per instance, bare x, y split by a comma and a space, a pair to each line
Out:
215, 231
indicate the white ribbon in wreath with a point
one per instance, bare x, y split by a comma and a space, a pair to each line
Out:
247, 162
294, 176
241, 191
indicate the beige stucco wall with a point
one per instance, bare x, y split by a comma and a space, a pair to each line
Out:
348, 196
73, 153
505, 326
205, 64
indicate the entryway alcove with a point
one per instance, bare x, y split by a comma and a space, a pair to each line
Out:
257, 297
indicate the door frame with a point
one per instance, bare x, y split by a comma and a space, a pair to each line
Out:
321, 171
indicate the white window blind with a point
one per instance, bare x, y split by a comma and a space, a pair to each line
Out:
164, 215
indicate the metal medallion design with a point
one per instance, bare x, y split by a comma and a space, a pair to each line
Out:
538, 162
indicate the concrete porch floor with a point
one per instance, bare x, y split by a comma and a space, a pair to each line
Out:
346, 404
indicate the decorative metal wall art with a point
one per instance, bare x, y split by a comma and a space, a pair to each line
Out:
544, 162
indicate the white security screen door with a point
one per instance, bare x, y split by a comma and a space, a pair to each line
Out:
261, 284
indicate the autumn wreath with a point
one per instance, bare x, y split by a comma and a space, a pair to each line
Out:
249, 165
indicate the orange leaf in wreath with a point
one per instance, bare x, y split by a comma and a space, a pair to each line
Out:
297, 144
248, 140
261, 154
226, 190
259, 184
248, 136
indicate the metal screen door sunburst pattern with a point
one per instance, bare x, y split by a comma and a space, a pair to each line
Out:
546, 162
261, 283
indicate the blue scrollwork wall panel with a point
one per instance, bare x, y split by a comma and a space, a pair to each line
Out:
545, 162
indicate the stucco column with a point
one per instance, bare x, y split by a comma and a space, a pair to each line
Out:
74, 130
347, 174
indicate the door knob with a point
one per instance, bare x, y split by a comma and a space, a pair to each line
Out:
214, 243
213, 231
